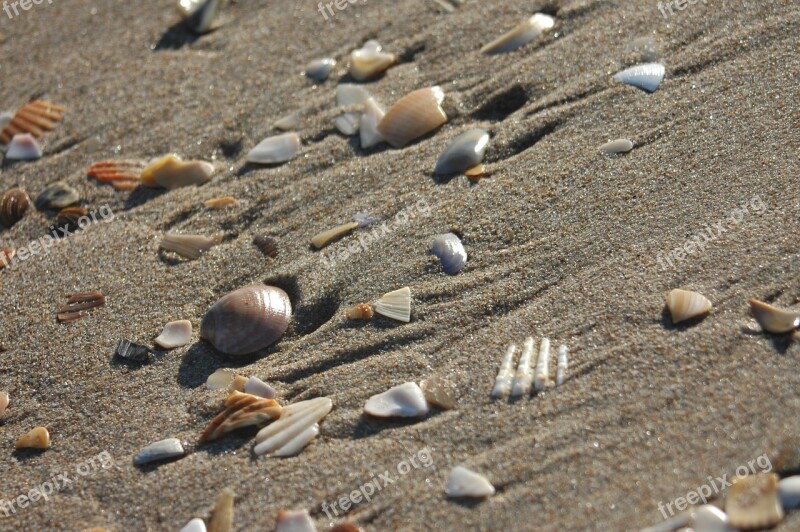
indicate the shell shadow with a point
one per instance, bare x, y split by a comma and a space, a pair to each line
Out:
201, 360
230, 442
443, 179
153, 466
780, 342
176, 37
308, 313
370, 426
666, 321
23, 455
141, 195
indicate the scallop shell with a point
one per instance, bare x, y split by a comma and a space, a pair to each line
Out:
275, 150
199, 14
220, 379
617, 146
222, 516
247, 320
322, 239
753, 502
709, 518
465, 483
440, 391
773, 319
451, 252
788, 488
395, 305
647, 76
188, 246
297, 426
6, 255
38, 438
195, 525
160, 450
413, 116
369, 61
256, 386
320, 69
172, 172
57, 196
13, 206
71, 216
132, 351
77, 304
294, 521
521, 35
4, 400
175, 334
372, 116
362, 311
23, 147
684, 305
464, 152
241, 410
267, 245
404, 400
123, 175
35, 118
220, 203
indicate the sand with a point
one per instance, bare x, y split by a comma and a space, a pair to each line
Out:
563, 242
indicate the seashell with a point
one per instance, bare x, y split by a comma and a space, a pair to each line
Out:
71, 217
404, 400
320, 240
475, 173
561, 369
220, 203
172, 172
369, 61
451, 252
320, 69
23, 147
4, 400
5, 119
346, 527
372, 116
617, 146
78, 303
195, 525
294, 521
524, 376
502, 383
255, 386
5, 257
348, 123
267, 245
222, 516
57, 196
440, 391
13, 205
788, 488
463, 153
247, 320
275, 150
465, 483
753, 502
35, 118
188, 246
123, 175
773, 319
709, 518
521, 35
647, 76
131, 351
38, 438
288, 122
413, 116
684, 305
395, 305
542, 375
349, 94
297, 426
220, 379
241, 410
362, 311
239, 382
160, 450
175, 334
199, 15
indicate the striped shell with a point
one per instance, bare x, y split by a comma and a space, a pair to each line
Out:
70, 217
647, 76
77, 304
13, 205
684, 305
188, 246
297, 426
413, 116
122, 175
395, 305
35, 118
241, 410
752, 502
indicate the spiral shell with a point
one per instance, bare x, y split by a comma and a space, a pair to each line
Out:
13, 206
247, 320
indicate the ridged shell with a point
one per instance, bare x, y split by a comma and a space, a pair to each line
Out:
77, 304
788, 488
684, 305
172, 172
372, 116
160, 450
523, 378
4, 400
617, 146
35, 118
297, 426
404, 400
503, 380
188, 246
175, 334
195, 525
275, 150
256, 386
521, 35
451, 252
464, 152
362, 311
267, 245
346, 527
294, 521
13, 206
23, 147
122, 175
241, 410
395, 305
773, 319
647, 76
57, 196
247, 320
220, 203
320, 69
222, 516
199, 14
70, 217
322, 239
465, 483
753, 502
413, 116
37, 438
440, 391
369, 61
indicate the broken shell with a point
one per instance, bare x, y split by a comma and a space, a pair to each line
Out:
13, 205
35, 118
502, 383
57, 196
413, 116
684, 305
4, 400
773, 319
475, 173
346, 527
195, 525
349, 96
404, 400
123, 175
369, 61
320, 69
220, 203
247, 320
709, 518
23, 147
523, 379
222, 517
647, 76
395, 305
372, 116
275, 150
348, 123
241, 410
294, 521
288, 122
463, 153
38, 438
172, 172
5, 118
267, 245
71, 217
5, 257
617, 146
239, 383
752, 502
297, 426
199, 14
132, 351
362, 311
320, 240
160, 450
789, 487
542, 376
561, 369
255, 386
188, 246
465, 483
451, 252
220, 379
440, 391
175, 334
78, 303
521, 35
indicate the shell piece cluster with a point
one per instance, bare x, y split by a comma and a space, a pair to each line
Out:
404, 400
57, 196
752, 502
38, 438
294, 521
320, 69
4, 401
13, 206
190, 247
463, 482
172, 172
414, 115
395, 305
463, 153
23, 147
175, 334
122, 175
531, 369
773, 319
362, 311
685, 305
241, 410
35, 118
617, 146
449, 249
296, 427
275, 150
369, 61
78, 303
647, 76
160, 450
199, 15
440, 391
520, 35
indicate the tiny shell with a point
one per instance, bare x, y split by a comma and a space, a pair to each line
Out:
413, 116
440, 391
13, 206
561, 369
297, 426
123, 175
220, 379
647, 76
172, 172
753, 502
23, 147
502, 383
188, 246
372, 116
160, 450
220, 203
773, 319
789, 487
222, 516
395, 305
709, 518
35, 118
57, 196
4, 400
195, 525
256, 386
369, 61
684, 305
451, 252
275, 150
362, 311
241, 410
37, 438
521, 35
404, 400
541, 377
78, 303
322, 239
288, 123
464, 152
267, 245
320, 69
175, 334
70, 217
465, 483
132, 351
199, 14
294, 521
523, 379
617, 146
475, 173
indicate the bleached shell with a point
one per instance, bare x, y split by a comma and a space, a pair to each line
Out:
404, 400
188, 246
241, 410
275, 150
23, 147
175, 334
320, 69
349, 94
684, 305
37, 438
4, 400
709, 518
521, 35
322, 239
617, 146
440, 391
294, 521
523, 378
451, 252
465, 483
256, 386
647, 76
503, 380
222, 516
464, 152
195, 525
413, 116
348, 123
370, 118
753, 502
369, 61
541, 376
395, 305
199, 14
788, 488
172, 172
288, 123
220, 379
297, 426
773, 319
160, 450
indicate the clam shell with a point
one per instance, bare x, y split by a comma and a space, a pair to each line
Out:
369, 61
440, 391
520, 35
297, 426
320, 69
247, 320
57, 196
195, 525
788, 488
220, 379
35, 118
70, 217
37, 438
684, 305
753, 502
294, 521
13, 206
372, 116
241, 410
257, 387
77, 304
395, 305
322, 239
404, 400
23, 147
413, 116
4, 400
773, 319
267, 245
199, 14
709, 518
175, 334
160, 450
362, 311
172, 172
222, 516
190, 247
451, 252
122, 175
647, 76
617, 146
465, 483
275, 150
464, 152
220, 203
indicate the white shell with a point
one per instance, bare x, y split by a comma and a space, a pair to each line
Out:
320, 69
199, 14
348, 94
294, 521
647, 76
451, 252
502, 383
195, 525
5, 119
684, 305
773, 319
256, 386
171, 172
542, 376
521, 35
297, 426
465, 483
752, 502
4, 400
709, 518
322, 239
524, 377
405, 400
348, 123
23, 147
160, 450
288, 123
464, 152
191, 247
395, 305
789, 490
617, 146
175, 334
561, 369
275, 150
413, 116
372, 116
369, 61
220, 379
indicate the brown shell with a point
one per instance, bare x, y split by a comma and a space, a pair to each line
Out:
414, 115
267, 245
35, 118
76, 304
220, 203
123, 175
5, 257
346, 527
241, 410
362, 311
13, 205
37, 438
69, 217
